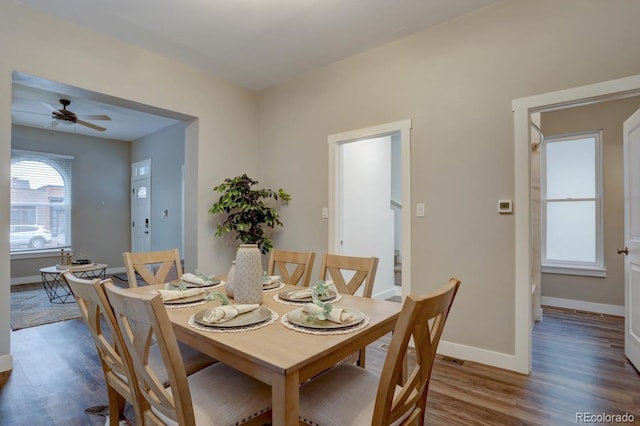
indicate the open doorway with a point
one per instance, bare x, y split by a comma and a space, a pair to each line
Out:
99, 177
369, 170
523, 110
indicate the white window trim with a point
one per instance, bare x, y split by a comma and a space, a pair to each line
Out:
53, 251
592, 269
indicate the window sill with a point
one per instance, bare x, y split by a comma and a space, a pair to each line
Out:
37, 254
575, 270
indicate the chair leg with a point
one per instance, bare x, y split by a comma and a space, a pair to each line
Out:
362, 357
116, 406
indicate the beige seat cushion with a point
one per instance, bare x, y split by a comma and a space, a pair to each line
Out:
344, 395
222, 395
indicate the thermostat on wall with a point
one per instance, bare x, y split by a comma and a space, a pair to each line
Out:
505, 206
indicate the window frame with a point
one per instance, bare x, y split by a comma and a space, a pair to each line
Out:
63, 164
593, 269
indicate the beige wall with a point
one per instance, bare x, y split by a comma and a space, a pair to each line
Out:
609, 117
456, 83
220, 144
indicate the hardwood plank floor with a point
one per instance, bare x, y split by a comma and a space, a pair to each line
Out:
578, 366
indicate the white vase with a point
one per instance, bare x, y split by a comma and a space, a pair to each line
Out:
247, 285
228, 286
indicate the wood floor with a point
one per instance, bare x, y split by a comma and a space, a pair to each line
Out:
578, 366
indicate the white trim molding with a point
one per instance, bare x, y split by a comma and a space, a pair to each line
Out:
6, 363
580, 305
473, 354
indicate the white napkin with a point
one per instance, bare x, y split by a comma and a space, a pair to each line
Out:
226, 312
271, 279
308, 292
337, 315
300, 294
194, 279
179, 294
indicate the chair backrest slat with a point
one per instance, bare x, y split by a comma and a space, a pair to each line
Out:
281, 262
156, 267
333, 266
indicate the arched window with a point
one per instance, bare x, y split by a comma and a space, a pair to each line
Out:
40, 201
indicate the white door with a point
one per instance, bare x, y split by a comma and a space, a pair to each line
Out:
631, 130
366, 224
141, 206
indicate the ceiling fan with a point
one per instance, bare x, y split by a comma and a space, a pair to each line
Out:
68, 117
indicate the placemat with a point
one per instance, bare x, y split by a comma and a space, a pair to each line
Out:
192, 322
285, 321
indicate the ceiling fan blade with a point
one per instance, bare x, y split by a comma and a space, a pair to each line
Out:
49, 107
91, 126
31, 112
94, 117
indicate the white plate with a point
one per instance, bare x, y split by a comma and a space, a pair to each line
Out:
302, 319
250, 318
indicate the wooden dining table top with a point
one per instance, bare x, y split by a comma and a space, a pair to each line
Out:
279, 356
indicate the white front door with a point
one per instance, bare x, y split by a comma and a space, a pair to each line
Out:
631, 130
141, 206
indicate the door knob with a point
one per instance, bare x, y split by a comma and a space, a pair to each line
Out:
624, 250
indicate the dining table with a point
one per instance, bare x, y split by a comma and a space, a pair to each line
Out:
277, 353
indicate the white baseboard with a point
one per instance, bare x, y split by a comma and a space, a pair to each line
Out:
600, 308
385, 294
38, 278
6, 363
481, 356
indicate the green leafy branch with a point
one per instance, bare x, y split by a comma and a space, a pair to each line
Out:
247, 215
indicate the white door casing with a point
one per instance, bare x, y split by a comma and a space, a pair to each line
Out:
141, 206
631, 144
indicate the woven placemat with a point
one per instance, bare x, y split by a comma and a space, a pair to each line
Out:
362, 324
192, 322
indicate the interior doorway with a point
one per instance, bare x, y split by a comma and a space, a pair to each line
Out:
370, 198
523, 109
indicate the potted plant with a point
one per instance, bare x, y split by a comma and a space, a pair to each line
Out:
248, 216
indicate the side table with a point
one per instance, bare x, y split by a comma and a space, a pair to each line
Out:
57, 289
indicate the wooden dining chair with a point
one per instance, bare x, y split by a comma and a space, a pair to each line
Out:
92, 301
333, 266
155, 267
282, 262
357, 396
217, 394
116, 365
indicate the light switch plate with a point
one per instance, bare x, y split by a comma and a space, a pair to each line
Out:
419, 210
325, 212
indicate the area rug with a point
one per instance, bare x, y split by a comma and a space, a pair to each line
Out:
31, 307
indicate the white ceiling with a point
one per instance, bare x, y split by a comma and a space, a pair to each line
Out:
253, 43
